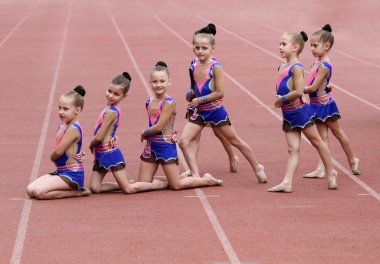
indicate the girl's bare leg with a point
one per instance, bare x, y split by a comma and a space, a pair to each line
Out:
233, 159
177, 183
346, 146
53, 187
97, 185
312, 135
190, 146
320, 171
229, 133
293, 139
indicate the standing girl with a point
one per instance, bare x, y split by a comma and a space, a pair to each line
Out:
160, 146
108, 156
206, 106
68, 179
321, 103
297, 115
233, 159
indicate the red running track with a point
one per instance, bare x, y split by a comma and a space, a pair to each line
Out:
47, 47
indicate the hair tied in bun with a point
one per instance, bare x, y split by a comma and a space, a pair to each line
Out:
162, 64
304, 36
210, 29
80, 90
327, 27
126, 75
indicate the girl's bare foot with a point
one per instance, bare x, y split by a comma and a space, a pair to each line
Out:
213, 181
260, 174
282, 187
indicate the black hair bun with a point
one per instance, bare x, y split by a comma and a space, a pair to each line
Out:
79, 89
304, 36
327, 27
162, 64
126, 75
210, 29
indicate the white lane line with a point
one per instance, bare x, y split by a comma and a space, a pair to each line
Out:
24, 220
279, 117
5, 39
206, 205
283, 30
279, 58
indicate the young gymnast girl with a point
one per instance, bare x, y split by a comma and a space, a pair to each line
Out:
160, 137
108, 156
68, 179
233, 159
297, 115
206, 105
321, 102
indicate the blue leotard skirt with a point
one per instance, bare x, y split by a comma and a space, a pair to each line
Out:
76, 177
323, 112
299, 118
109, 159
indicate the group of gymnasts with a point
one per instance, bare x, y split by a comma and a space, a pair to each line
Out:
205, 107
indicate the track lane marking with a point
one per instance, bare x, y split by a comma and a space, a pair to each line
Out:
24, 220
9, 35
279, 117
200, 194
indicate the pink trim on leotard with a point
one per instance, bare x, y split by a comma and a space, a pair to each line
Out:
152, 118
283, 76
202, 83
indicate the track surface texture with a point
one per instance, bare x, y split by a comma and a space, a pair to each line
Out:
50, 46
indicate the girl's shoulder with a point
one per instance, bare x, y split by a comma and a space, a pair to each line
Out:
326, 64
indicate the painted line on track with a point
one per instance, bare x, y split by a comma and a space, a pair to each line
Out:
283, 30
279, 58
200, 194
5, 39
23, 224
278, 117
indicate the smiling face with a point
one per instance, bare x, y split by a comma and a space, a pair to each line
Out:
203, 48
114, 94
67, 111
159, 82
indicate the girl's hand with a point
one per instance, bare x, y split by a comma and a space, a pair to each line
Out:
195, 102
174, 136
278, 103
113, 142
142, 136
80, 156
329, 87
92, 148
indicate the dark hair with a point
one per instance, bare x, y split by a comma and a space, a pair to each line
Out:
124, 80
160, 66
208, 31
78, 93
325, 35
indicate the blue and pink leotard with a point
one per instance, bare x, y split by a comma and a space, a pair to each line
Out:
213, 113
108, 155
73, 171
160, 148
296, 113
321, 102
